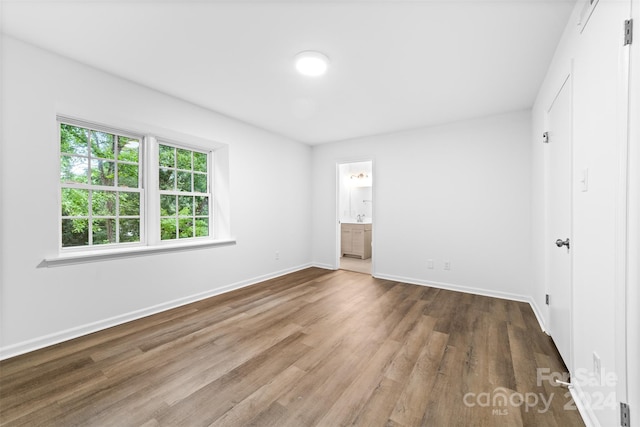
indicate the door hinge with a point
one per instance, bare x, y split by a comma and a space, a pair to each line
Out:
624, 415
546, 299
545, 137
628, 32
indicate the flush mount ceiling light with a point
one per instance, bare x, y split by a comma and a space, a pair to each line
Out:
311, 63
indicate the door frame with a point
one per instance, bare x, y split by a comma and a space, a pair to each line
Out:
337, 238
632, 307
625, 207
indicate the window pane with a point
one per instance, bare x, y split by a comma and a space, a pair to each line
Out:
97, 213
102, 172
186, 227
167, 156
73, 140
104, 203
199, 162
185, 205
199, 183
184, 181
184, 159
128, 149
75, 232
102, 145
202, 205
75, 202
166, 179
167, 205
129, 230
104, 231
202, 227
127, 175
73, 169
167, 228
129, 203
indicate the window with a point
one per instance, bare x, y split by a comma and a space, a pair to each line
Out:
101, 189
103, 172
183, 178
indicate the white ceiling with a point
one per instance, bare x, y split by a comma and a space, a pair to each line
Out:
395, 64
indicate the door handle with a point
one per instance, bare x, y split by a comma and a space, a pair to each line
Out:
560, 243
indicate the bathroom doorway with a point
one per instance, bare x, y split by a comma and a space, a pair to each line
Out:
355, 216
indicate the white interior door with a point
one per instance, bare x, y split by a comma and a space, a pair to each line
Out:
559, 221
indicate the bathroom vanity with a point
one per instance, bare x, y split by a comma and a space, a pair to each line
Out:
356, 239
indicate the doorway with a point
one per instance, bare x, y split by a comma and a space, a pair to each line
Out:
355, 216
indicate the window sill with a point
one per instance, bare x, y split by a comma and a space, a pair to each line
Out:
85, 257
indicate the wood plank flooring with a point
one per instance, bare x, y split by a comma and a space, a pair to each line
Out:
313, 348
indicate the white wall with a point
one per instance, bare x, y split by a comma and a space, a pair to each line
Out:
459, 192
593, 59
270, 204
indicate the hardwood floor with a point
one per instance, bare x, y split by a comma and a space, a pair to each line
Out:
316, 347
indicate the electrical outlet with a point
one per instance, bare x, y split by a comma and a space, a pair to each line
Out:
277, 255
430, 264
597, 368
447, 265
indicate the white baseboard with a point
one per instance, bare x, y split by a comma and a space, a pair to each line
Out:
322, 265
588, 416
78, 331
469, 290
58, 337
538, 313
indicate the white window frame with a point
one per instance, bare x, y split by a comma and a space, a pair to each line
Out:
94, 187
156, 220
219, 227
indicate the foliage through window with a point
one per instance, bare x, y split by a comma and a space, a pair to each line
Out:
101, 189
183, 177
